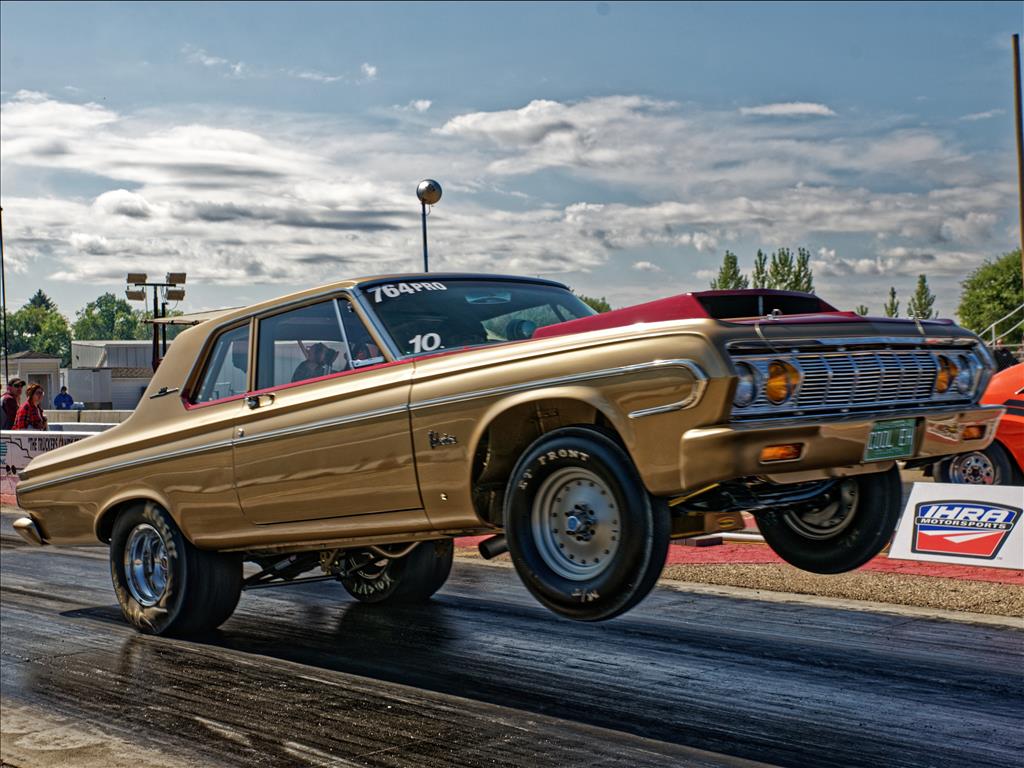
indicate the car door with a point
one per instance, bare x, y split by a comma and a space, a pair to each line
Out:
326, 431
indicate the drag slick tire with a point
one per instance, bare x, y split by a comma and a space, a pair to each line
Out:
164, 584
989, 466
586, 538
854, 522
413, 578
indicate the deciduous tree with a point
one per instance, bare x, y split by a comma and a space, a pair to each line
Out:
992, 291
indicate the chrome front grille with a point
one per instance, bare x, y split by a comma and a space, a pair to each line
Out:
845, 380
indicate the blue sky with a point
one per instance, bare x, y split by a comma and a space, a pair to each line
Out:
263, 147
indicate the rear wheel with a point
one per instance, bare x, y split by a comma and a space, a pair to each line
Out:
586, 538
413, 578
164, 584
842, 530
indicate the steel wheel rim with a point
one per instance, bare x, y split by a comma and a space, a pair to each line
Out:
146, 565
830, 520
973, 468
575, 523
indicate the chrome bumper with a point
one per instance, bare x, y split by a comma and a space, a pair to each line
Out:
28, 530
830, 447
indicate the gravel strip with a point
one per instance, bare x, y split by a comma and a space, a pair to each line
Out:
899, 589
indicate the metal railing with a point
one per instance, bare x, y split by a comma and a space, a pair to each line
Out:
992, 328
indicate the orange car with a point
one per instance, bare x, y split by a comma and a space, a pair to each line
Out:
1002, 462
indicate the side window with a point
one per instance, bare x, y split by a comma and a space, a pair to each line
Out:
310, 342
226, 370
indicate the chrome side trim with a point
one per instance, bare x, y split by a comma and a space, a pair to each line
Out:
525, 386
324, 424
699, 385
29, 487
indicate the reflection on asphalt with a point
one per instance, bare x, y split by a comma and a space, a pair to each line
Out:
482, 675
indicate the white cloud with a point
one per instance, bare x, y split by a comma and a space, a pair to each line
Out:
789, 109
316, 77
295, 199
646, 266
975, 116
369, 71
195, 55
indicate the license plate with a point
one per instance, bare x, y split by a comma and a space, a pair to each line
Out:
891, 440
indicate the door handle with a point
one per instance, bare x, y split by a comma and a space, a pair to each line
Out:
255, 401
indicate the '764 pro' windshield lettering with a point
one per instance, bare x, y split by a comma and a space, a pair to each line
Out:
395, 290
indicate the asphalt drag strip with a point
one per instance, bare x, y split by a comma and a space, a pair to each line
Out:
482, 675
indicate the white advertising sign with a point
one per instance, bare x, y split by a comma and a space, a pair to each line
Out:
18, 448
962, 524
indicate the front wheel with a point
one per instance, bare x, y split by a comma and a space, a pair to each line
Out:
586, 538
164, 584
843, 530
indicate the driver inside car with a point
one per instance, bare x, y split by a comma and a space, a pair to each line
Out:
319, 358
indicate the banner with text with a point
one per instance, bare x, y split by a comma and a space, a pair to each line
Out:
963, 524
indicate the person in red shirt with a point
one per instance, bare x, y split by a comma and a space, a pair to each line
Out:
10, 401
30, 415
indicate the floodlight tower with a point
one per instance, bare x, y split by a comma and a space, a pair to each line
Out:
172, 291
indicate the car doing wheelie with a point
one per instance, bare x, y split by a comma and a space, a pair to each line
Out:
351, 432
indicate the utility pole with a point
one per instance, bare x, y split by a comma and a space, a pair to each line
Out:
1020, 141
3, 297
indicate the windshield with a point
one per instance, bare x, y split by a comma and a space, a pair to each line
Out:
424, 316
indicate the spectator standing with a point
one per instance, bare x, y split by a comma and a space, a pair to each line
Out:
63, 401
1003, 356
30, 414
10, 401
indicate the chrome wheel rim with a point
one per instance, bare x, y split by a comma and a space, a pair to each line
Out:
575, 524
146, 565
831, 519
973, 468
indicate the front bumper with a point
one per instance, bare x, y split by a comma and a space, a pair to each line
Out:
830, 447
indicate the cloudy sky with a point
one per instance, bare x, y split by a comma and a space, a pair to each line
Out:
621, 148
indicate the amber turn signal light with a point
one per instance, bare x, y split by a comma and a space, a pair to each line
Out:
786, 452
948, 371
782, 381
974, 432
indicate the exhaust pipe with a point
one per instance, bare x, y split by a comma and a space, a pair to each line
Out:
492, 547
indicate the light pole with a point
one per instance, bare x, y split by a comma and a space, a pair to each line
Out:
429, 193
172, 290
3, 296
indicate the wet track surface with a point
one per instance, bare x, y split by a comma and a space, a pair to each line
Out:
484, 676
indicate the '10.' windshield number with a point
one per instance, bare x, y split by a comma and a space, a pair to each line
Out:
394, 290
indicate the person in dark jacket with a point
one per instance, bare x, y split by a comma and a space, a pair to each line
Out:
10, 401
63, 401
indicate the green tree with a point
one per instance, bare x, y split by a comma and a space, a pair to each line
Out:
108, 317
39, 329
759, 277
801, 278
922, 302
780, 269
40, 299
992, 291
598, 305
729, 275
891, 308
862, 310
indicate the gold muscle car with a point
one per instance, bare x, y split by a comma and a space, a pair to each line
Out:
353, 431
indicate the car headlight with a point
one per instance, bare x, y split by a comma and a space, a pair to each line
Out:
948, 371
783, 379
968, 375
746, 385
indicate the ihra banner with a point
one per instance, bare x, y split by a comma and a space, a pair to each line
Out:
963, 524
